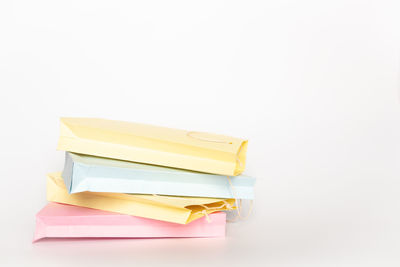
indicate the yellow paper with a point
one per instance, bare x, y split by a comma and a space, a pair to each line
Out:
165, 208
143, 143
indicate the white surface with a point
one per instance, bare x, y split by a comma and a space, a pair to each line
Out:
312, 84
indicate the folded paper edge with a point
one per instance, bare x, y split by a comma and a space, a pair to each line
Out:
68, 171
40, 229
241, 158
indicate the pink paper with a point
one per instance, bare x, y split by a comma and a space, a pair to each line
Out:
61, 221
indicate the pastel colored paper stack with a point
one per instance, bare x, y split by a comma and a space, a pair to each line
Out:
129, 180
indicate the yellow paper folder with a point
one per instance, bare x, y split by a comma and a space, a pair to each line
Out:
144, 143
165, 208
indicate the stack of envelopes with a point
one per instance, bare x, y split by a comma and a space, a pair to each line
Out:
132, 180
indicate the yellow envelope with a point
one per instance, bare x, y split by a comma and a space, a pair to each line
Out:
154, 145
165, 208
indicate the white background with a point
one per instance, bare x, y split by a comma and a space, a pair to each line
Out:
312, 84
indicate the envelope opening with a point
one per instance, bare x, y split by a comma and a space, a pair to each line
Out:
198, 211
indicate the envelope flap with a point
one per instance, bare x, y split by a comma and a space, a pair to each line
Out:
181, 202
146, 135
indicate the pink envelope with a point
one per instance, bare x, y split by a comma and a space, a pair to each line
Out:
63, 221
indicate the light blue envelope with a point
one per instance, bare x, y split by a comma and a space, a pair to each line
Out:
95, 174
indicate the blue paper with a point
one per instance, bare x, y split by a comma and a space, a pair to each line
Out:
95, 174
